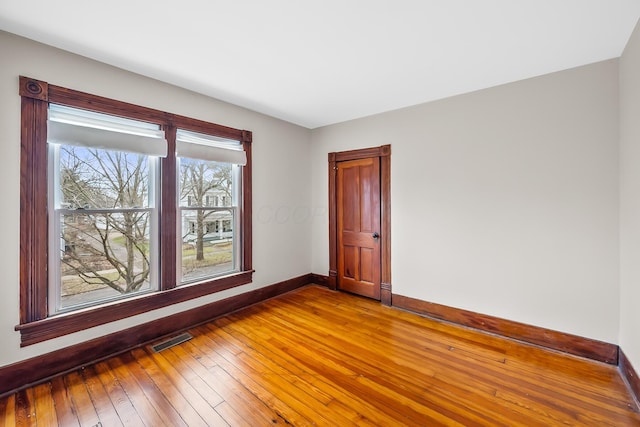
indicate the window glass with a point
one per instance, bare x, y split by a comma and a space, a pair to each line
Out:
208, 249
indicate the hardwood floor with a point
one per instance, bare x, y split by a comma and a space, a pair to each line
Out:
317, 357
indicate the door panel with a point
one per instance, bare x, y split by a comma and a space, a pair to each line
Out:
351, 199
351, 263
358, 223
366, 265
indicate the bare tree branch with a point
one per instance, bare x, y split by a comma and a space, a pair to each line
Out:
110, 249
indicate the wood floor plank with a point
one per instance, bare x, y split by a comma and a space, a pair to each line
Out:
431, 403
188, 402
87, 415
25, 408
454, 397
477, 340
250, 408
8, 411
374, 368
246, 404
230, 415
178, 401
4, 410
324, 358
182, 366
65, 412
310, 374
44, 405
332, 397
402, 333
282, 386
155, 393
287, 308
137, 394
352, 374
290, 310
386, 324
232, 390
289, 409
101, 402
611, 394
121, 403
194, 393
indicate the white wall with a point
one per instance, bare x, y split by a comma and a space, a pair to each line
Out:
630, 199
503, 201
281, 248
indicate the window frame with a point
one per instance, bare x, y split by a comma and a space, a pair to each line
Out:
35, 323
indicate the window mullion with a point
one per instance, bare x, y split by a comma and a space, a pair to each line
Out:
168, 213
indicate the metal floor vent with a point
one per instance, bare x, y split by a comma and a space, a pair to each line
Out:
171, 342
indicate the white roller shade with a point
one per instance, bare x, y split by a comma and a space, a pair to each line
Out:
85, 129
205, 147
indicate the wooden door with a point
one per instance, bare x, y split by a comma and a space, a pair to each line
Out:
358, 226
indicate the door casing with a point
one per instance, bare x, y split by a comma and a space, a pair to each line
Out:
383, 153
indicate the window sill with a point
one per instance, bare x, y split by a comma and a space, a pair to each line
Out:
56, 326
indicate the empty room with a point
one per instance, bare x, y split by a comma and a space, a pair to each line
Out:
326, 213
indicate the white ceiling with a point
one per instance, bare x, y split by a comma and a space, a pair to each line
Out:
316, 63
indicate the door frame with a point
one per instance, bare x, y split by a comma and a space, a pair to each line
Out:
383, 153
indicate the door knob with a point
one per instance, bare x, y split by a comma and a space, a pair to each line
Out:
376, 235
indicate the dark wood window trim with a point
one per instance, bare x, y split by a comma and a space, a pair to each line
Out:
35, 324
384, 154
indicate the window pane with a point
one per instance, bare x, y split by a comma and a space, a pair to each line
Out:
103, 256
103, 211
102, 179
207, 243
207, 240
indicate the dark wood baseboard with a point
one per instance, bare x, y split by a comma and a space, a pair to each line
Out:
385, 293
568, 343
38, 369
320, 279
333, 280
630, 376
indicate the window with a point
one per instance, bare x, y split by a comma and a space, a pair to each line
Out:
206, 165
103, 215
113, 186
213, 227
